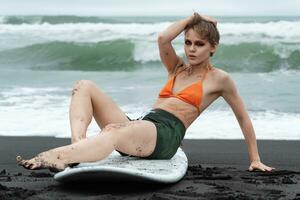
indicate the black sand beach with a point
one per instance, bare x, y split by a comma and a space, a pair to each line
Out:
217, 170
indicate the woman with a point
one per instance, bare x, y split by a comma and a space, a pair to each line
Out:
191, 88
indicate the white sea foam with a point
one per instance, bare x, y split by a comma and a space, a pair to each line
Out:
267, 125
28, 34
281, 31
43, 112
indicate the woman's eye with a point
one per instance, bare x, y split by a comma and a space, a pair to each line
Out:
187, 42
200, 44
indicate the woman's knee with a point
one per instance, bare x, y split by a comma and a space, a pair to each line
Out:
83, 85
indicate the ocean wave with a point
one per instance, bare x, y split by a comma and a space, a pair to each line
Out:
278, 31
13, 36
109, 55
20, 35
15, 20
89, 43
256, 57
231, 33
66, 19
129, 55
75, 19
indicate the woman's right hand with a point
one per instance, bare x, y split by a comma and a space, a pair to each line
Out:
206, 18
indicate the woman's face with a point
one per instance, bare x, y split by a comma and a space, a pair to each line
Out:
197, 50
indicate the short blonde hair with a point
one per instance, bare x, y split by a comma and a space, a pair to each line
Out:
206, 30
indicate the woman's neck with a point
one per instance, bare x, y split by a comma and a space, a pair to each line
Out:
205, 65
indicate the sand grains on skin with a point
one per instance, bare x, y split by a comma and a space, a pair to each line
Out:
39, 162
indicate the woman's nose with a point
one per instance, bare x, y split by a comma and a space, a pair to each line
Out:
192, 47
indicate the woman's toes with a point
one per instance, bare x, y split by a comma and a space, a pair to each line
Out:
30, 165
40, 162
34, 166
19, 159
27, 164
23, 163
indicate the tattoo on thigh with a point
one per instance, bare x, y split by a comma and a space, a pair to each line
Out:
118, 126
114, 126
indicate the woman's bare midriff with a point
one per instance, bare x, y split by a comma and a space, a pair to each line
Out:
183, 111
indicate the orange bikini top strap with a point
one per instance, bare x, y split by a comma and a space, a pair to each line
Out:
204, 74
208, 69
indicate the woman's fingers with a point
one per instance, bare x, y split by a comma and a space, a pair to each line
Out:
207, 18
251, 168
262, 169
260, 166
267, 167
210, 19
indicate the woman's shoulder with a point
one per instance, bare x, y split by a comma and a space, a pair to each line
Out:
219, 74
215, 79
222, 79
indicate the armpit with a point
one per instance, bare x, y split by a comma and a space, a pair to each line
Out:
179, 65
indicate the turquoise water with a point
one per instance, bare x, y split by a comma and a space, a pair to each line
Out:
41, 57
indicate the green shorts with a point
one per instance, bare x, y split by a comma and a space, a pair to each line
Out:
170, 132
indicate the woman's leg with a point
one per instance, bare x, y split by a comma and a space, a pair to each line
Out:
88, 101
136, 138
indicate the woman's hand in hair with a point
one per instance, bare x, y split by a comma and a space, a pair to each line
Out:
206, 18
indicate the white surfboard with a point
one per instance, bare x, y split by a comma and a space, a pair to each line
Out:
116, 168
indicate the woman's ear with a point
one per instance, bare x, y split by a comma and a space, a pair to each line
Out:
213, 49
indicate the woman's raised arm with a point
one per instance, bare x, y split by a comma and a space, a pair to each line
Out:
166, 51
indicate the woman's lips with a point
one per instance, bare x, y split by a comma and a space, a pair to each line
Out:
192, 56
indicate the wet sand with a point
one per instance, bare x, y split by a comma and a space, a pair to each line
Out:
217, 170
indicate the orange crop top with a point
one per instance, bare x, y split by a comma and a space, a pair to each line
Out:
192, 94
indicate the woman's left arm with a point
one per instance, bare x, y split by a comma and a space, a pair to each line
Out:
231, 96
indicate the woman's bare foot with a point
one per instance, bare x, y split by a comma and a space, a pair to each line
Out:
45, 160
